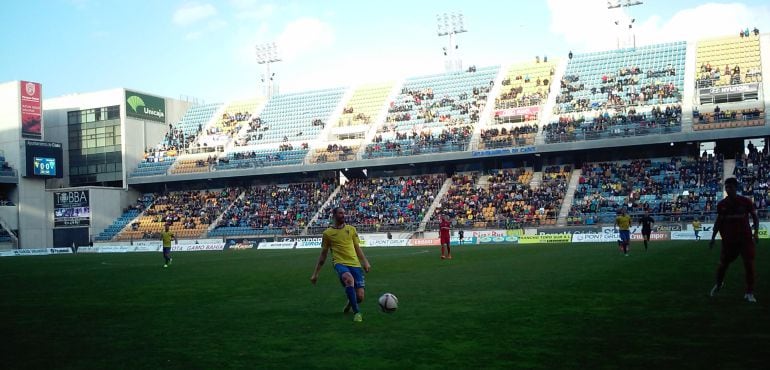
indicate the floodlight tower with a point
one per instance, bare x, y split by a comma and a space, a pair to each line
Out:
623, 28
450, 25
267, 54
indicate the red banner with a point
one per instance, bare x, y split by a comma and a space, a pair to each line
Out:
31, 110
525, 111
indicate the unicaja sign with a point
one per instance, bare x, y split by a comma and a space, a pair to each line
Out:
145, 107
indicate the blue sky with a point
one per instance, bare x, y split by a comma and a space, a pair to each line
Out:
205, 49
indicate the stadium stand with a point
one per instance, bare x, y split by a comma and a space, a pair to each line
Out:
216, 137
274, 209
654, 120
362, 109
188, 214
620, 93
5, 237
289, 119
5, 168
508, 201
517, 108
435, 113
728, 61
753, 173
292, 117
671, 189
128, 215
158, 159
728, 118
383, 204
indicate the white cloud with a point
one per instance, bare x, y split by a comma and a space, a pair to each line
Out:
302, 36
193, 12
253, 9
588, 25
211, 26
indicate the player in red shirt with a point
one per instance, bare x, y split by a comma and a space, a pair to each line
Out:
444, 234
733, 224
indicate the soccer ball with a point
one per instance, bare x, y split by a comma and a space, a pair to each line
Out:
388, 303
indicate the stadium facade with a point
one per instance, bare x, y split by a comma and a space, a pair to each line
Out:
117, 146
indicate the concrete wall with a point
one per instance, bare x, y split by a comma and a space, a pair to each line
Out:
10, 214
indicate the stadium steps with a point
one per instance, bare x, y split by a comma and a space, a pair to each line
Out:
317, 215
729, 168
688, 93
214, 223
14, 239
323, 137
489, 109
566, 204
126, 223
381, 117
483, 182
436, 204
537, 179
547, 111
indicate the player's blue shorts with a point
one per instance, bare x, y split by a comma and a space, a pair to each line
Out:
357, 272
625, 236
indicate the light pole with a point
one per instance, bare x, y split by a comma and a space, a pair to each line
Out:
268, 54
620, 4
451, 25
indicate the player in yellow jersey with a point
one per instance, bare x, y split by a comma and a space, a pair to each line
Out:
697, 228
348, 259
623, 222
166, 237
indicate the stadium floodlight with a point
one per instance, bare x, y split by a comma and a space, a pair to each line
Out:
625, 28
450, 25
267, 54
620, 4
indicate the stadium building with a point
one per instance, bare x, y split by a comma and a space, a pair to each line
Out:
521, 148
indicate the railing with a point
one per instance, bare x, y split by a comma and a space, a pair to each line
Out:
611, 133
411, 149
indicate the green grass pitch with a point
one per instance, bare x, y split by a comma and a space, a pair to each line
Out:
533, 307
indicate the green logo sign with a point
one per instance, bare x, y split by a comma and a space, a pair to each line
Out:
145, 107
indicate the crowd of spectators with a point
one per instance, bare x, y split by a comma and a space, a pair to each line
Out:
509, 200
273, 207
382, 204
604, 124
185, 210
720, 115
405, 137
174, 142
342, 153
415, 142
507, 137
675, 189
752, 170
711, 76
622, 89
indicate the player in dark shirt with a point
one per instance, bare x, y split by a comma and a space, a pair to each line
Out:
646, 222
733, 225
